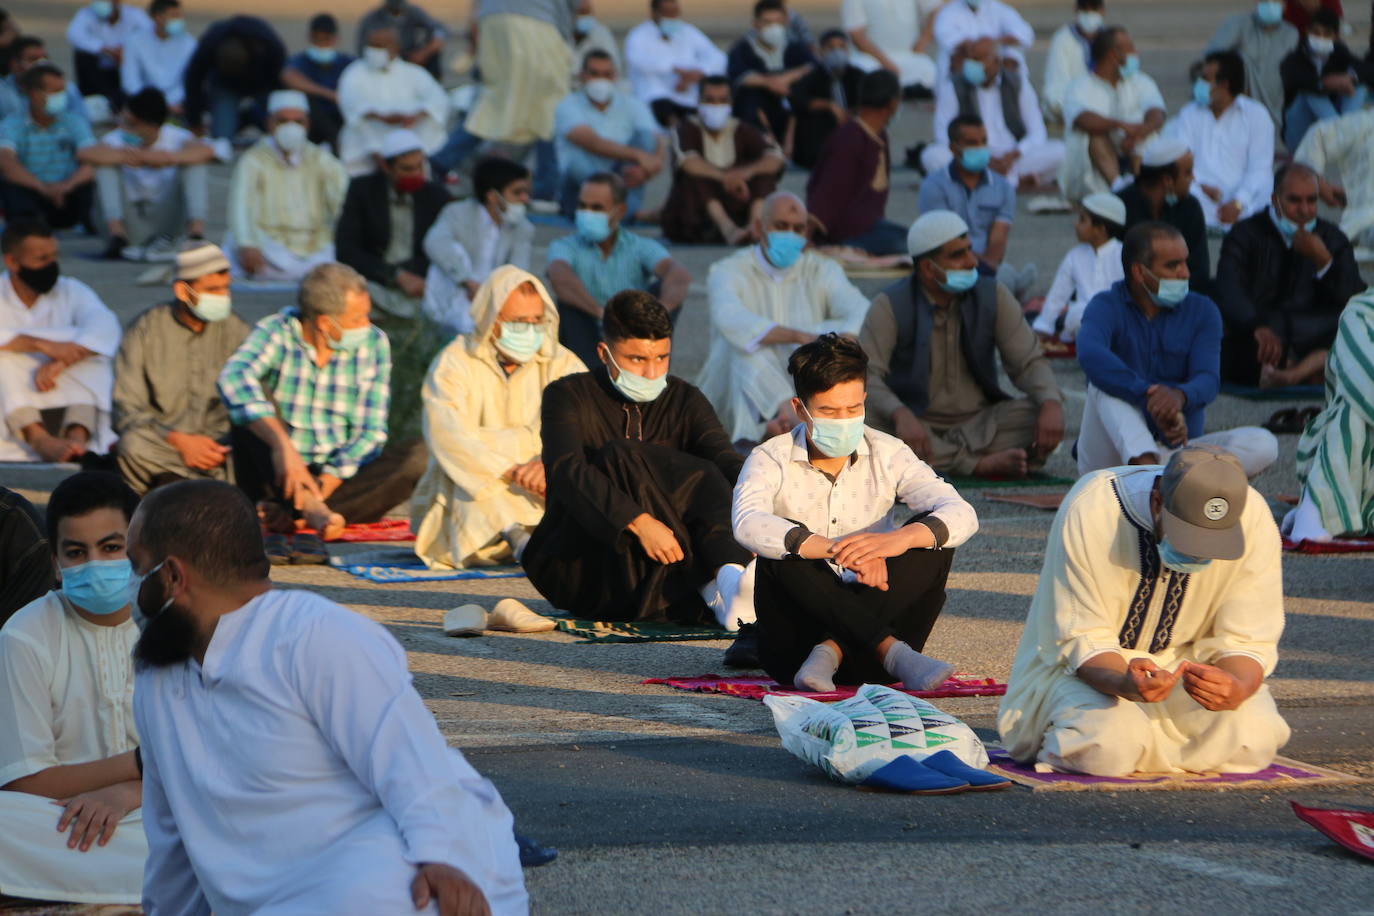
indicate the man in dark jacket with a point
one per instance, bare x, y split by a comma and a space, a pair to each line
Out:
1321, 79
1282, 281
822, 99
1160, 193
382, 226
237, 58
639, 473
763, 67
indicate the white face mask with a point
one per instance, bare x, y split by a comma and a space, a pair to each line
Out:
714, 117
1322, 47
290, 136
774, 35
512, 213
377, 58
599, 90
1089, 22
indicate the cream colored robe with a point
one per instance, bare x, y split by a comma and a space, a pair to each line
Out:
294, 206
1102, 589
479, 422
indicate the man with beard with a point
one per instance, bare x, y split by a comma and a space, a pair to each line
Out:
360, 807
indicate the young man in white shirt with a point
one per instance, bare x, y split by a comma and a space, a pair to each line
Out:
1070, 54
842, 592
158, 57
667, 59
98, 34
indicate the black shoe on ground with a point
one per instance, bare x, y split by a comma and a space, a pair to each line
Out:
532, 855
744, 653
115, 249
913, 158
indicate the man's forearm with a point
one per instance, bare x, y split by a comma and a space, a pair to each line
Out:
676, 284
73, 779
569, 288
23, 343
1106, 673
272, 431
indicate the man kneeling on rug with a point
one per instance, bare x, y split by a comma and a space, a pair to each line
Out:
842, 592
1156, 621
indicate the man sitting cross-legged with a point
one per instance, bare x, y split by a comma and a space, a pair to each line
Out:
637, 513
842, 592
1154, 626
67, 738
483, 491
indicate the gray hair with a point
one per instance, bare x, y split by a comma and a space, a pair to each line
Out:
324, 289
777, 197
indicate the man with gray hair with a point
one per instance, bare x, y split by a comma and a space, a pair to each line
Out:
308, 394
766, 300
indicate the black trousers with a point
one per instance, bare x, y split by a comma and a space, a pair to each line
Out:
802, 603
764, 110
22, 202
325, 122
93, 79
379, 486
668, 113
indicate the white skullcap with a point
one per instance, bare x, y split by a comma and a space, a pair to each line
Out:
287, 98
1162, 151
1106, 205
932, 230
399, 142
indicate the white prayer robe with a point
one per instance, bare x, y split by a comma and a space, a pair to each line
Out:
402, 88
1103, 589
66, 697
1065, 62
651, 60
297, 771
957, 22
70, 312
1040, 156
742, 379
1233, 153
160, 63
894, 26
1084, 272
479, 423
1342, 145
1129, 100
91, 33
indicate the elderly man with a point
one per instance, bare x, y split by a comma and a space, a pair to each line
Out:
1160, 193
1070, 54
668, 58
603, 258
893, 35
55, 369
284, 198
636, 522
171, 422
237, 60
316, 71
1108, 115
380, 93
42, 175
600, 128
157, 58
763, 67
1282, 280
1262, 39
1231, 139
933, 340
307, 393
483, 492
98, 34
473, 237
399, 821
824, 98
1017, 144
421, 35
1150, 350
385, 218
765, 301
723, 169
1342, 144
1104, 685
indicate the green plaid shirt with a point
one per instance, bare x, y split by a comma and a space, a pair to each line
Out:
336, 414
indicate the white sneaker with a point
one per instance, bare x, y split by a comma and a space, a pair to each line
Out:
512, 616
161, 250
1048, 203
545, 207
468, 620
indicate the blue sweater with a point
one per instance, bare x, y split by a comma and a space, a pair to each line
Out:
1123, 353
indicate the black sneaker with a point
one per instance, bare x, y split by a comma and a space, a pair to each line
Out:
744, 653
913, 158
114, 250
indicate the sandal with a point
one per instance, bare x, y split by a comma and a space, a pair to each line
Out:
277, 548
1285, 422
308, 550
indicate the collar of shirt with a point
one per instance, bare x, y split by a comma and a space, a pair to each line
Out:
298, 331
801, 455
983, 177
216, 653
397, 199
775, 274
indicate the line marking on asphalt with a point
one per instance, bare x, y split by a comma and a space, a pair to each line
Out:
1210, 869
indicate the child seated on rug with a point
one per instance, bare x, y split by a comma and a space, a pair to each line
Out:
1089, 268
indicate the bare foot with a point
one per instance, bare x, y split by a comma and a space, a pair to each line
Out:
1011, 462
1272, 377
55, 448
275, 518
325, 520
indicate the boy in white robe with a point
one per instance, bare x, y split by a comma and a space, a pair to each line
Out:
1089, 268
379, 93
1154, 626
66, 713
483, 491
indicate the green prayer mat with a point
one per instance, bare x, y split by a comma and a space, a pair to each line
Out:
629, 631
1291, 393
1034, 479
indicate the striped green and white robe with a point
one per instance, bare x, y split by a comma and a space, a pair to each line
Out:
1336, 451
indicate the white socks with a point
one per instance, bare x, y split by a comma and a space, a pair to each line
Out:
517, 536
914, 670
730, 595
817, 673
1304, 522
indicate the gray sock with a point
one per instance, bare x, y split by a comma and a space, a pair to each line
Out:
916, 671
817, 673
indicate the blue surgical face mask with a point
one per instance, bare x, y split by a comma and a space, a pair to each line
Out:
56, 103
520, 340
1170, 199
322, 56
1270, 12
1202, 92
974, 72
1179, 562
350, 339
593, 225
1287, 226
211, 307
959, 281
99, 587
836, 438
784, 248
130, 138
1171, 292
175, 27
102, 8
975, 158
637, 388
670, 27
1131, 67
585, 24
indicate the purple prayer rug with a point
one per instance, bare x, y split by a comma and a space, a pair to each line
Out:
1283, 773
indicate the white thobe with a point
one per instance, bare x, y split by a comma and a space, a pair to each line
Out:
90, 33
894, 26
402, 88
70, 312
157, 62
651, 60
957, 22
296, 770
1233, 153
1040, 156
66, 697
744, 380
1084, 272
1129, 100
1103, 589
1342, 145
1066, 61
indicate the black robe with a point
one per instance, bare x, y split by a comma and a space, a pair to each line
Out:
608, 460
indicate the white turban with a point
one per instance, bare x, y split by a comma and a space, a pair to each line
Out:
399, 142
1106, 205
1162, 151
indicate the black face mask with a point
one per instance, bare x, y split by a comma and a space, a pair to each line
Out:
40, 279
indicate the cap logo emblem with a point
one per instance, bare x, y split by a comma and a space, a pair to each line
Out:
1216, 509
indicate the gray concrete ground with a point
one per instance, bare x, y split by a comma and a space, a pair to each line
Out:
669, 802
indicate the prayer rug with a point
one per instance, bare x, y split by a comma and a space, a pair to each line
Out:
1339, 545
403, 566
16, 906
1058, 349
1284, 773
1352, 829
638, 631
1047, 501
1291, 393
756, 688
1034, 479
388, 529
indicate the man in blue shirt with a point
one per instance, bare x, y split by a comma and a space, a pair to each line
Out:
1151, 350
26, 52
38, 164
316, 71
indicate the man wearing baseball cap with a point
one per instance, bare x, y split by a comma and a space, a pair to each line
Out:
1156, 621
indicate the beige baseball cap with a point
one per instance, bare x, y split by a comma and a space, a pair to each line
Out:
1204, 490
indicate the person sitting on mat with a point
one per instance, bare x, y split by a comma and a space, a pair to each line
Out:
842, 592
1154, 626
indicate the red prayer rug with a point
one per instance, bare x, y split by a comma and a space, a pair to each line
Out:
388, 529
1352, 829
756, 688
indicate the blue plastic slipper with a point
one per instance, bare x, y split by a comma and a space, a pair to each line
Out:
909, 775
978, 780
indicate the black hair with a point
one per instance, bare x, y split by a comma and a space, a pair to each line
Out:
209, 524
1104, 42
149, 105
1088, 4
20, 230
324, 22
826, 362
24, 42
828, 34
1139, 244
595, 54
33, 78
83, 493
495, 173
1327, 19
633, 314
158, 7
764, 6
1114, 230
963, 120
1230, 69
717, 79
878, 89
610, 180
